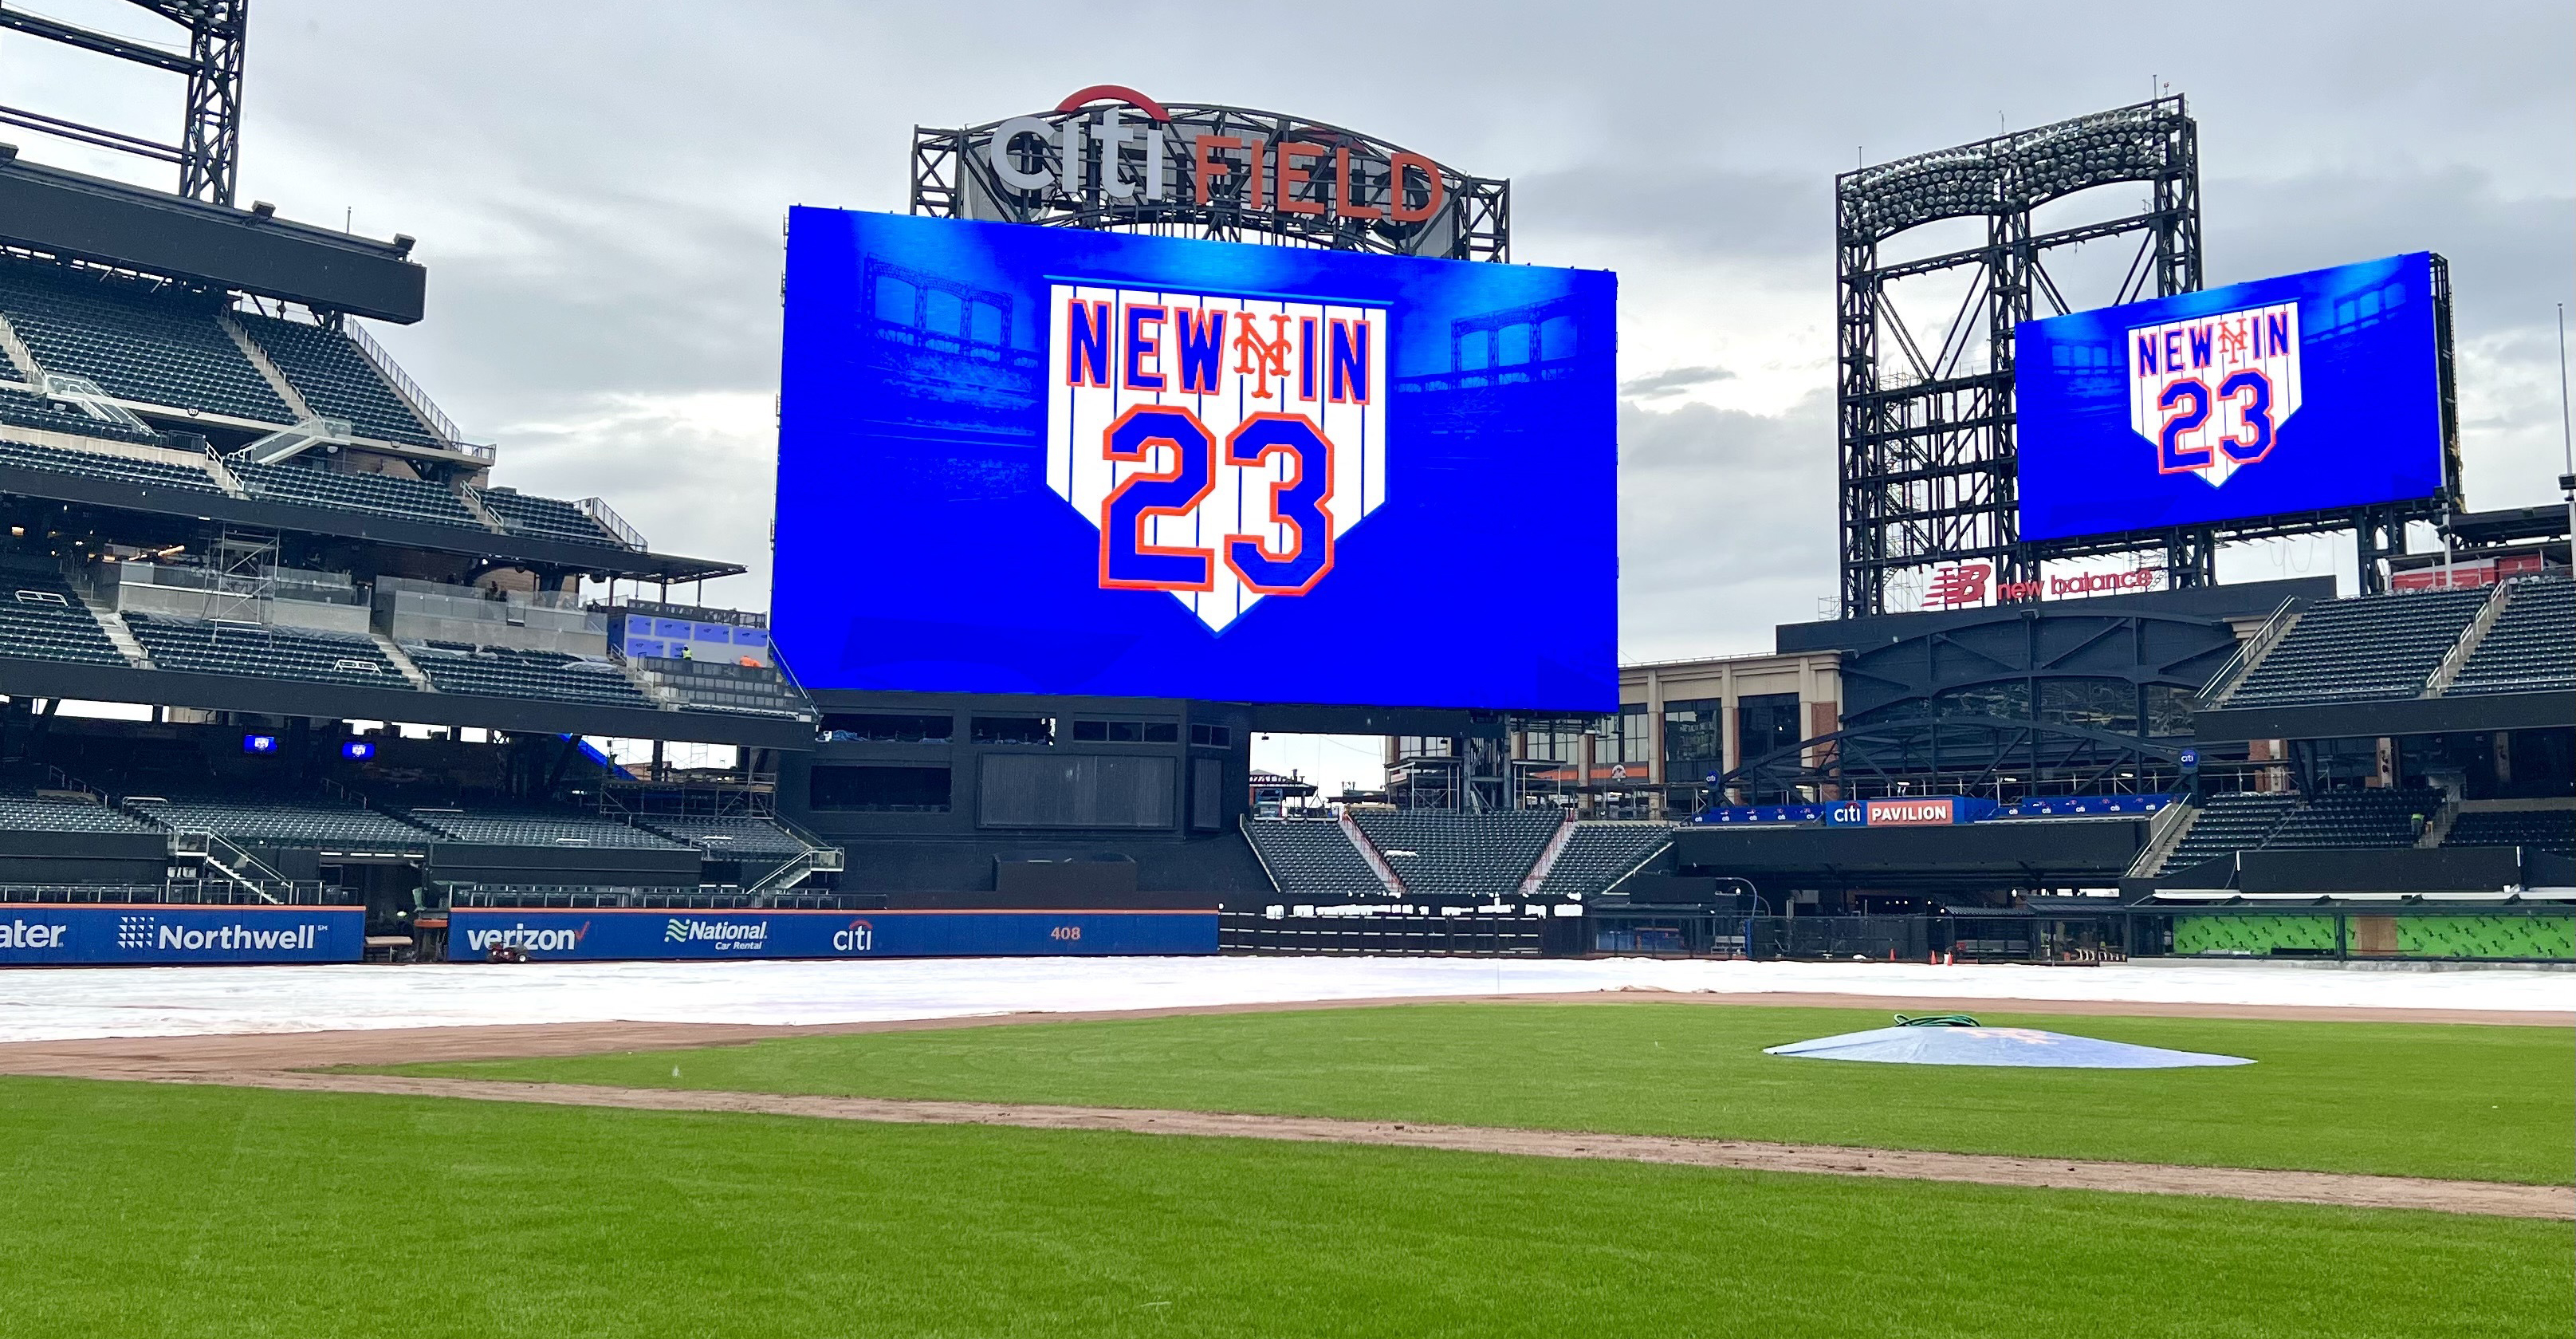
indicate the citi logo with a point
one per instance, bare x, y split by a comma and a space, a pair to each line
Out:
858, 937
19, 934
747, 934
520, 936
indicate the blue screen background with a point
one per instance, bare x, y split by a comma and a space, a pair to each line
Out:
919, 547
2368, 429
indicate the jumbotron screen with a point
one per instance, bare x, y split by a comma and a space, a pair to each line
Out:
2308, 392
1016, 459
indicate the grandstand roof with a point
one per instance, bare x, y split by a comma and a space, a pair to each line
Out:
72, 214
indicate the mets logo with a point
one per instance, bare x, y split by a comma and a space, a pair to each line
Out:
2212, 392
1221, 445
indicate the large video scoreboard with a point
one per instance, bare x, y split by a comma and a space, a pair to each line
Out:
1016, 459
2309, 392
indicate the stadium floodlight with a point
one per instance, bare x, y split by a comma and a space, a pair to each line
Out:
259, 743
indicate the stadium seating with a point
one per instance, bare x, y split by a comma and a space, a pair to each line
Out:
1597, 855
538, 827
493, 671
335, 378
297, 821
2552, 830
730, 836
159, 346
409, 499
101, 465
29, 410
1475, 855
1313, 858
552, 518
266, 652
41, 619
704, 685
2375, 646
2532, 646
701, 898
2350, 818
2233, 822
27, 811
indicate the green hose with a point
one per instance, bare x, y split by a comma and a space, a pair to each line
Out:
1936, 1020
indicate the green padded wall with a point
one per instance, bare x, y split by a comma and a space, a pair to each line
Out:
2255, 935
2486, 936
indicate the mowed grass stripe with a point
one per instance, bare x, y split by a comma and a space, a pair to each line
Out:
187, 1211
2452, 1101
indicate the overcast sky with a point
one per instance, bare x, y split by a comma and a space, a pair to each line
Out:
598, 190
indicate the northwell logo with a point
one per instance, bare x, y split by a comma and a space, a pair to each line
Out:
147, 932
2212, 392
1221, 445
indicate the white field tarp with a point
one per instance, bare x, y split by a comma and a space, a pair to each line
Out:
55, 1003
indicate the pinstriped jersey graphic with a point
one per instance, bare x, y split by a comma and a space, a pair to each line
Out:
2212, 391
1221, 446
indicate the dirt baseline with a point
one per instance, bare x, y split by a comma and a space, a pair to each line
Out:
286, 1061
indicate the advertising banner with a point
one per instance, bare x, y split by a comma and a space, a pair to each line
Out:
1016, 459
155, 933
612, 934
1928, 811
2308, 392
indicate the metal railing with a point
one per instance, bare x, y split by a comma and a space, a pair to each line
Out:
598, 510
244, 870
177, 893
2471, 638
2253, 649
2164, 833
439, 423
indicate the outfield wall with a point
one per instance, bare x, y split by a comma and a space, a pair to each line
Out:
624, 934
2489, 938
163, 934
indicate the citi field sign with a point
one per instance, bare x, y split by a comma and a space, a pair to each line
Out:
1112, 154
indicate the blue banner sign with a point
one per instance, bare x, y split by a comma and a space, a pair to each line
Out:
100, 932
1763, 813
1015, 459
1934, 810
2308, 392
615, 934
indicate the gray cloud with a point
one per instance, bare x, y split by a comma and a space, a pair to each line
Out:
1673, 379
598, 188
1719, 533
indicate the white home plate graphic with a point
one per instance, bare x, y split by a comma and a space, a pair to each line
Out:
2211, 392
1222, 446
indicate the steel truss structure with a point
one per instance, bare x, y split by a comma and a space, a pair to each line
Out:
208, 153
1926, 431
1121, 183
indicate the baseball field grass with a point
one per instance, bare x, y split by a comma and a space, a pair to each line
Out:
174, 1210
2457, 1101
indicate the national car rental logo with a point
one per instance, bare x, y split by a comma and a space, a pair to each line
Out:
2212, 392
1222, 446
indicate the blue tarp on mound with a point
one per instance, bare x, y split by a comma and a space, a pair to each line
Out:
2011, 1046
